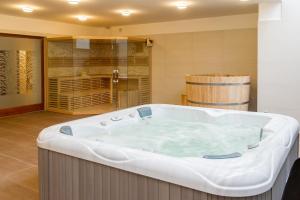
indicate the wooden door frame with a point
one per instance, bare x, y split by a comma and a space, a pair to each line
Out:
33, 107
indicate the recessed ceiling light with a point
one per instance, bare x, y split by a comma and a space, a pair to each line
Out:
182, 5
73, 2
27, 9
126, 13
82, 18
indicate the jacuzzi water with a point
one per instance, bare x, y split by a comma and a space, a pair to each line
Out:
172, 145
183, 138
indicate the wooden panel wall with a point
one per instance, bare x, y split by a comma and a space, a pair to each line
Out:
68, 178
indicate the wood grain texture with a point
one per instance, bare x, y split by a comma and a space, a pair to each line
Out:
206, 52
21, 109
80, 82
68, 94
18, 153
218, 91
65, 177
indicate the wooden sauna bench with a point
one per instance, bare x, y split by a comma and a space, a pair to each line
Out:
70, 94
94, 94
134, 90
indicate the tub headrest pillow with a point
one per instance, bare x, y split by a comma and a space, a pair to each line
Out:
144, 112
67, 130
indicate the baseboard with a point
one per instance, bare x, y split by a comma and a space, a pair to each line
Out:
21, 109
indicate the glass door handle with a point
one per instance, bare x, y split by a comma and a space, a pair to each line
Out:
115, 76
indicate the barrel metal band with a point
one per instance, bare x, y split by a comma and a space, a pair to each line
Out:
218, 84
218, 104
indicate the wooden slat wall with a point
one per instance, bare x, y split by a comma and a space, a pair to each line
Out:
55, 62
67, 94
68, 178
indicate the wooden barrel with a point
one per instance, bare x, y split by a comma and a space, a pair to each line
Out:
218, 91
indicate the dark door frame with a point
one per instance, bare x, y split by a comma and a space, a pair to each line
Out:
34, 107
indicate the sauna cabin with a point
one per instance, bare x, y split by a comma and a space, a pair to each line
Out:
92, 76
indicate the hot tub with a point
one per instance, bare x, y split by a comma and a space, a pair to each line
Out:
168, 152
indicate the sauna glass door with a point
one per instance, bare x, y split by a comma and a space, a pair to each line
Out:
133, 85
20, 74
83, 75
93, 76
120, 73
96, 63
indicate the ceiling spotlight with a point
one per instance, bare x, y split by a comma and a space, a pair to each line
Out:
181, 5
82, 18
27, 9
73, 2
126, 13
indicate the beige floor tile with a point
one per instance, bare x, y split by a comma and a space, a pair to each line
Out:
9, 166
18, 153
12, 191
20, 139
26, 154
27, 178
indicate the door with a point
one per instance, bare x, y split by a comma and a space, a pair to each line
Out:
120, 73
94, 76
84, 75
21, 74
132, 72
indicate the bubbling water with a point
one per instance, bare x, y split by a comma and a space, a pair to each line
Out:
181, 138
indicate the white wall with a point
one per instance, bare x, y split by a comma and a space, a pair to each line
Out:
29, 26
279, 60
206, 52
225, 44
37, 27
187, 26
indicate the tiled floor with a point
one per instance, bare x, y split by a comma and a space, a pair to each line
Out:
18, 153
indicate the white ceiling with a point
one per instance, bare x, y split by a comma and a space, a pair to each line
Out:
105, 12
